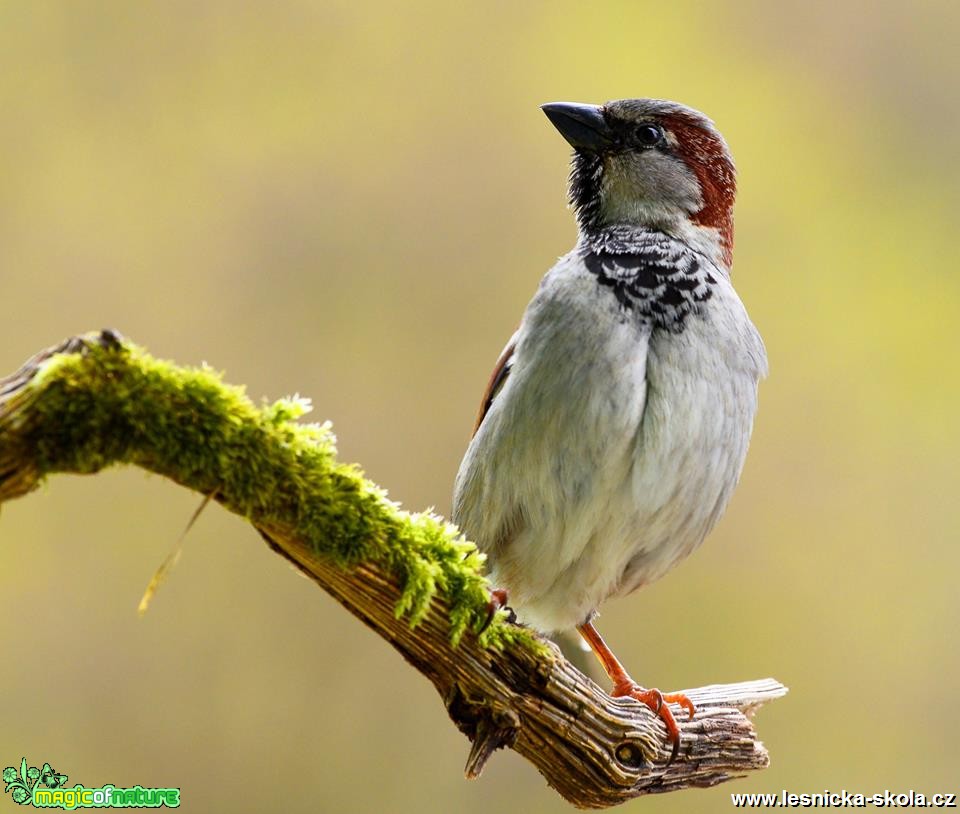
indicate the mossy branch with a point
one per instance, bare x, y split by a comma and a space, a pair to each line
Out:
96, 401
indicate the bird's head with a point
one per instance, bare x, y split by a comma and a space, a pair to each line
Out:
650, 163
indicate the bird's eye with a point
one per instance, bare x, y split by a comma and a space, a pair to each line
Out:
648, 135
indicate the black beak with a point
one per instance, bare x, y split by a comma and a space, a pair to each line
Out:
582, 125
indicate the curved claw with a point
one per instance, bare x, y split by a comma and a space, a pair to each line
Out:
654, 699
683, 701
675, 748
498, 600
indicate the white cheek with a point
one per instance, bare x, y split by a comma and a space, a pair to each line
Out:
648, 189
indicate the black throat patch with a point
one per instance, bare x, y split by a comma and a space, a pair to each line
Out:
651, 275
586, 170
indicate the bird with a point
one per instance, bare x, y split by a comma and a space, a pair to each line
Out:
616, 421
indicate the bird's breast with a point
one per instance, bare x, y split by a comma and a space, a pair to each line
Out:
609, 451
698, 417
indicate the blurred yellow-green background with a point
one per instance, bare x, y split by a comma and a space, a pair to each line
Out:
354, 201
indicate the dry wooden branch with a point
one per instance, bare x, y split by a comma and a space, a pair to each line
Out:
595, 750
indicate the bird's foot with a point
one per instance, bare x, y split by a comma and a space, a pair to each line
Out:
498, 601
655, 700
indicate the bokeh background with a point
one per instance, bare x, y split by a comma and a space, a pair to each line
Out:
354, 202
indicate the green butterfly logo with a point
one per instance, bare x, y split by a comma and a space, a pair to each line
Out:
21, 784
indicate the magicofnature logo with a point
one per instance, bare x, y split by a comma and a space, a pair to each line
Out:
46, 788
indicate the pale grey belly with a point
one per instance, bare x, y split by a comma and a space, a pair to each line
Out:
653, 502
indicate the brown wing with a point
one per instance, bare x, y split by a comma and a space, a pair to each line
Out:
497, 380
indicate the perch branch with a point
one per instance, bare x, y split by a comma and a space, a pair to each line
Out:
97, 400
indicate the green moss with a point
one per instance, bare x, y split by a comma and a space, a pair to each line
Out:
118, 405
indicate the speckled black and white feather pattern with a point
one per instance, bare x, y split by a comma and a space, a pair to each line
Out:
653, 276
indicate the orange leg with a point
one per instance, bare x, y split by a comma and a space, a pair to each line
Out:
498, 600
624, 685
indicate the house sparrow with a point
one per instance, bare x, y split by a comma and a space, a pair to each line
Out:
616, 422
